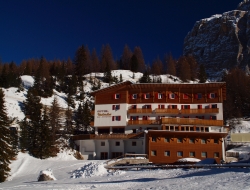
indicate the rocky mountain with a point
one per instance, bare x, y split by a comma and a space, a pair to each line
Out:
221, 41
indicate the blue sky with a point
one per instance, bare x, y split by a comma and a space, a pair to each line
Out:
56, 28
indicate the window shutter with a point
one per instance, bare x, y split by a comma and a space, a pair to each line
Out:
169, 96
211, 117
119, 118
120, 96
131, 118
215, 94
156, 95
208, 95
113, 118
182, 107
188, 106
163, 106
131, 96
137, 117
149, 106
113, 96
196, 96
113, 107
159, 106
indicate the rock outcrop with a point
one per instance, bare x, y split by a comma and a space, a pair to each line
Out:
221, 41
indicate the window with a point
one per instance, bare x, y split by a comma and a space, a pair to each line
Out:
167, 153
102, 143
117, 96
133, 107
203, 141
191, 154
134, 118
144, 117
213, 117
191, 128
116, 118
171, 128
115, 107
191, 141
147, 96
176, 128
172, 96
185, 106
179, 153
182, 128
197, 129
167, 139
179, 140
216, 141
147, 106
200, 117
117, 143
206, 129
212, 95
161, 106
214, 105
153, 152
133, 143
160, 95
185, 96
134, 96
199, 106
204, 154
216, 154
199, 96
153, 139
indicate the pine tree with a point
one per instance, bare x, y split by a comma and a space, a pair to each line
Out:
24, 134
121, 78
145, 78
6, 152
68, 130
141, 63
126, 58
86, 117
134, 64
55, 118
202, 74
46, 146
171, 66
79, 120
33, 108
107, 74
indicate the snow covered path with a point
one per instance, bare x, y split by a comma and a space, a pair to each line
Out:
76, 174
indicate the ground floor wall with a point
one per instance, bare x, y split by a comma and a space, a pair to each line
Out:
112, 148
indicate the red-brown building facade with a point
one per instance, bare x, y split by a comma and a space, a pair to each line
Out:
166, 121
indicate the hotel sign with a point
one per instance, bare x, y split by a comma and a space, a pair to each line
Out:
103, 113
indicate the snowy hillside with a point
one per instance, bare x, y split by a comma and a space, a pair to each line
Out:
14, 99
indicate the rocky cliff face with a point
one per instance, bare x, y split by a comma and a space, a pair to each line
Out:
221, 41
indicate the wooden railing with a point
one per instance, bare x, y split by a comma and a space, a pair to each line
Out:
176, 111
199, 111
144, 122
108, 136
140, 110
193, 121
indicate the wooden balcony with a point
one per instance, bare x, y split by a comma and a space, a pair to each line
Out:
199, 111
192, 121
144, 122
140, 110
108, 136
173, 111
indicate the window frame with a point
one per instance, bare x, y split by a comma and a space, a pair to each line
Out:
153, 139
212, 95
117, 96
102, 143
179, 153
192, 154
185, 96
117, 143
134, 96
167, 140
133, 143
216, 154
147, 96
179, 140
191, 141
153, 153
167, 153
172, 96
203, 141
204, 154
160, 96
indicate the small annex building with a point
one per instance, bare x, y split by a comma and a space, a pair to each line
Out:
165, 121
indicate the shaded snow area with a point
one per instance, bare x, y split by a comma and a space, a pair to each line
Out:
242, 127
81, 174
244, 151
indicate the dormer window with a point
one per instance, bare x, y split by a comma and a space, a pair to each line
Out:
212, 95
172, 96
117, 96
134, 96
185, 96
147, 96
160, 95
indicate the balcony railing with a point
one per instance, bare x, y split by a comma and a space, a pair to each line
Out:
199, 111
108, 136
192, 121
144, 122
173, 111
140, 110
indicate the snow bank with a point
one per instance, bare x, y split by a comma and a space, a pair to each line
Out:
47, 172
188, 160
92, 169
